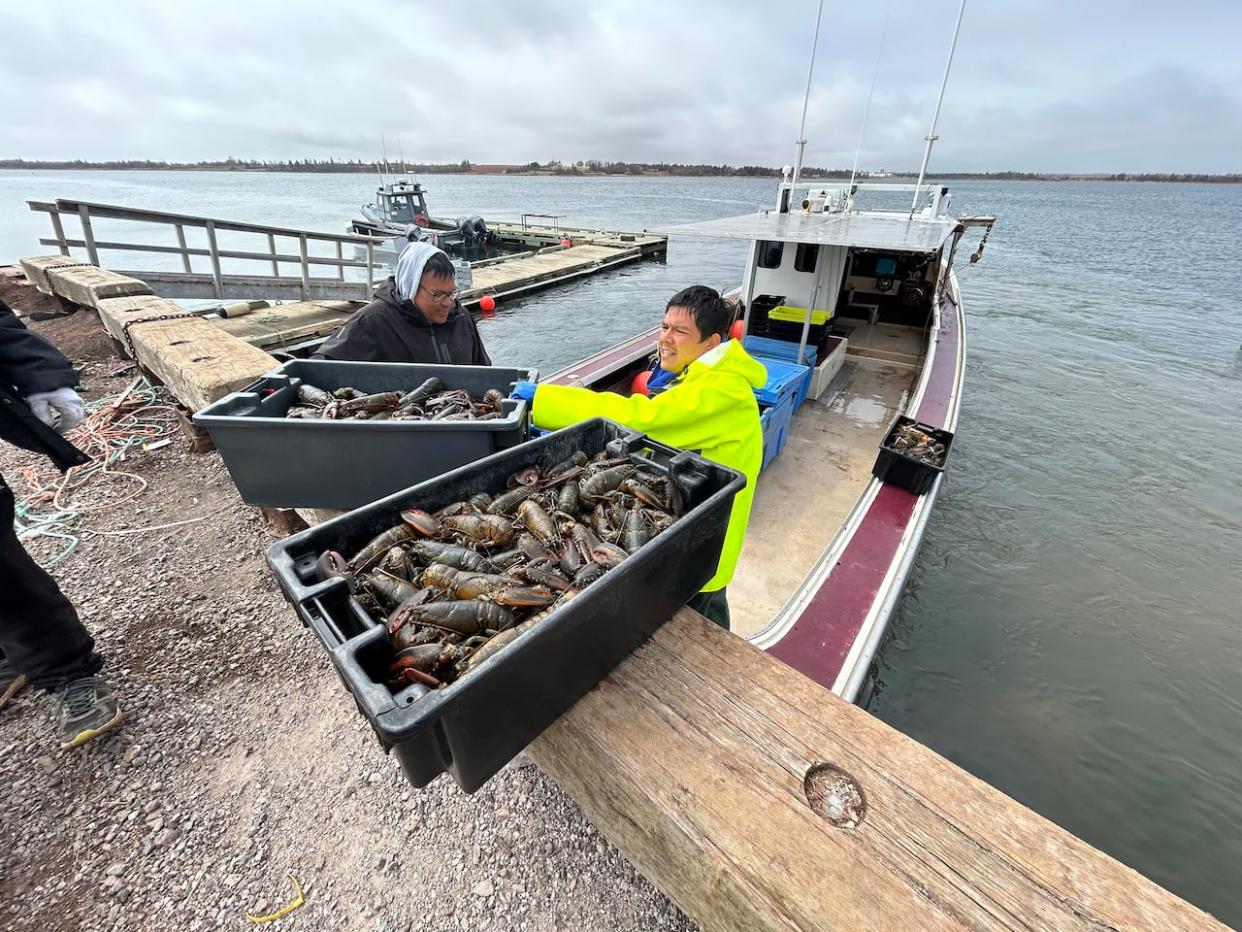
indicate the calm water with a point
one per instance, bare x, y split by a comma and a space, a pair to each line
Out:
1071, 633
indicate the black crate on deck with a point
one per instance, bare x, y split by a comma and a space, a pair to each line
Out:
296, 463
897, 468
476, 725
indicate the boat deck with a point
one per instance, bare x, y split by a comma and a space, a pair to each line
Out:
891, 342
806, 493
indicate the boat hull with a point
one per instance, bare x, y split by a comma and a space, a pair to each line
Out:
832, 624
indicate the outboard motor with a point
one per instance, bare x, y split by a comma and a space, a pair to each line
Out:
465, 226
481, 233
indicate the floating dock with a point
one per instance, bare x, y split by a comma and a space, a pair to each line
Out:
288, 264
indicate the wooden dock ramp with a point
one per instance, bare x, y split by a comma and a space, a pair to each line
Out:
756, 800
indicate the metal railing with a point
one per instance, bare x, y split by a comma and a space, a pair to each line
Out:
555, 218
219, 283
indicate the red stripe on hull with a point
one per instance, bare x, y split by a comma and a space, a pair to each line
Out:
934, 408
822, 636
594, 368
820, 640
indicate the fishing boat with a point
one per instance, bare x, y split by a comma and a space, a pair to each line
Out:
853, 305
399, 213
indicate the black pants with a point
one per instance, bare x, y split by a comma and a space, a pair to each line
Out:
40, 633
713, 606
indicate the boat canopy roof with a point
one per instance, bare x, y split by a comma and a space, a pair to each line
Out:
869, 230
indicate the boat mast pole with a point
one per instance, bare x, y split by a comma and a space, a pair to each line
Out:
931, 134
801, 141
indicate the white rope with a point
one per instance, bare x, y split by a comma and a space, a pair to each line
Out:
867, 113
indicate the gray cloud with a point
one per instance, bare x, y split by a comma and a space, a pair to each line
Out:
1046, 86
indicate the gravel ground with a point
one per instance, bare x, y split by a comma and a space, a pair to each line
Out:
242, 758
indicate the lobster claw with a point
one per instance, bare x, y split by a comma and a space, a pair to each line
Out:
523, 596
422, 522
331, 564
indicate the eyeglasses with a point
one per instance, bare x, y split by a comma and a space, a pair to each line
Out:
441, 295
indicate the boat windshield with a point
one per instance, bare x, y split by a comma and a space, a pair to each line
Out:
401, 208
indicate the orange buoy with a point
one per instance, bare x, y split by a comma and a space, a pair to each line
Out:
738, 330
487, 305
639, 385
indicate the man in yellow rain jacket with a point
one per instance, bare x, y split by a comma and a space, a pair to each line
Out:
707, 406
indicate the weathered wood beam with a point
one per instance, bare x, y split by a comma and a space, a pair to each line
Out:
198, 362
88, 285
37, 267
757, 800
287, 323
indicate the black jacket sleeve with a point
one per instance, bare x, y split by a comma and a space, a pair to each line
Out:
355, 341
478, 356
29, 364
27, 361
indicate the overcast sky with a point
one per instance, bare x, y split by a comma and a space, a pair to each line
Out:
1045, 85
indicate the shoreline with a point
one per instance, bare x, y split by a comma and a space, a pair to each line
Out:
1118, 177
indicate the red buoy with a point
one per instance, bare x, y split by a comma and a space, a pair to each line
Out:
639, 385
487, 304
738, 330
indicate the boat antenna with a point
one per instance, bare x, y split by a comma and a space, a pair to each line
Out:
931, 134
867, 112
801, 141
384, 152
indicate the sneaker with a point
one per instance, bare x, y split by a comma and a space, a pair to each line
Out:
11, 682
85, 709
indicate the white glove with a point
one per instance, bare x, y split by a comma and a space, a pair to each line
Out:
61, 409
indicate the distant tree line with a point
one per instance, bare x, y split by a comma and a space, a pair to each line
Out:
584, 167
245, 165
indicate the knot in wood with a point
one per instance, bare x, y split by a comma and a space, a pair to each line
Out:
835, 796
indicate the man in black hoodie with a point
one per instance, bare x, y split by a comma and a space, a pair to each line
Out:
42, 640
414, 317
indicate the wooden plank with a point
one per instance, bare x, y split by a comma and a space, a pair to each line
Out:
281, 522
757, 800
522, 272
199, 439
37, 267
287, 323
115, 313
198, 362
181, 285
88, 285
313, 516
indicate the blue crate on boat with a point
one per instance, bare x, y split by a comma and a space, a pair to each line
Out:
784, 378
776, 421
778, 349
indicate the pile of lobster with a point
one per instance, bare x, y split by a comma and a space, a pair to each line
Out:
918, 445
460, 584
431, 401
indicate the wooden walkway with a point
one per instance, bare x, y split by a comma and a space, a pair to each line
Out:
758, 801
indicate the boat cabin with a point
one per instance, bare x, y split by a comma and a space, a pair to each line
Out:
401, 202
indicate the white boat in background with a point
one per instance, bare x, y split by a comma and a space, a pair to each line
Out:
399, 212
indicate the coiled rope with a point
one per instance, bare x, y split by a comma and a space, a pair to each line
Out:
113, 427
